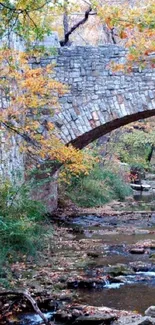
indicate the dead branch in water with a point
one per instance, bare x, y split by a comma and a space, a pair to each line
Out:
27, 295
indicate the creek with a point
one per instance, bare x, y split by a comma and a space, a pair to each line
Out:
120, 262
136, 291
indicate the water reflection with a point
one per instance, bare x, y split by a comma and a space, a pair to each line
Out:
129, 297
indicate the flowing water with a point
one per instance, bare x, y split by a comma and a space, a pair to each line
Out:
33, 319
137, 290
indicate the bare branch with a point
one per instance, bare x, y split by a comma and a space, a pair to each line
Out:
9, 8
25, 136
27, 295
65, 20
22, 10
74, 27
28, 14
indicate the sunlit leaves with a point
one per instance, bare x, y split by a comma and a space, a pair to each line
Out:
27, 95
135, 25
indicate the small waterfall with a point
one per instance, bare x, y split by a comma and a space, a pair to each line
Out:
147, 274
111, 285
107, 283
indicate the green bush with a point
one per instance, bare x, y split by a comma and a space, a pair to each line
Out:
135, 147
20, 221
99, 187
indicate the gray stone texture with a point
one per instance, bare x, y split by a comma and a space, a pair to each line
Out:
98, 100
11, 158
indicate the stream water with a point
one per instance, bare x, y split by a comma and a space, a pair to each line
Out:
137, 292
33, 319
132, 290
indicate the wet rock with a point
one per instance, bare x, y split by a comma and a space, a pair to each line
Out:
63, 316
77, 313
95, 319
137, 250
119, 269
117, 279
146, 321
121, 279
141, 231
152, 219
135, 320
149, 243
140, 266
59, 286
150, 311
152, 257
90, 283
113, 222
140, 187
93, 254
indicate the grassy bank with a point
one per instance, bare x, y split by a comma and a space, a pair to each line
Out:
101, 186
21, 225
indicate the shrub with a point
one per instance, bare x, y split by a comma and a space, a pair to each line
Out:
99, 187
20, 221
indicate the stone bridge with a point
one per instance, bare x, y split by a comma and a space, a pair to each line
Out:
99, 100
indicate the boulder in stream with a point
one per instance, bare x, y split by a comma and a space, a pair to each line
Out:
137, 250
135, 320
95, 319
119, 269
150, 312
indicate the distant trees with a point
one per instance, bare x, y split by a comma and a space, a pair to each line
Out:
133, 22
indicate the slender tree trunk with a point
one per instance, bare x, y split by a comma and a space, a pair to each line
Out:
65, 41
150, 154
65, 20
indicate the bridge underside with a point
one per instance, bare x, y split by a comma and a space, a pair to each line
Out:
88, 137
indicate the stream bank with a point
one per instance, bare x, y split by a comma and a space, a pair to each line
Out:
93, 265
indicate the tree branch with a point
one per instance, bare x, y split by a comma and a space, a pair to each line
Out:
9, 8
22, 10
74, 27
65, 20
28, 14
27, 295
25, 136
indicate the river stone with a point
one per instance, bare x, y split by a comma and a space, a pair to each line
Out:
120, 278
147, 321
150, 311
95, 319
90, 283
134, 320
137, 250
140, 187
119, 269
93, 254
152, 219
139, 266
152, 256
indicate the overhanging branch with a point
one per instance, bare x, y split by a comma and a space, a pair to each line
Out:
74, 27
25, 136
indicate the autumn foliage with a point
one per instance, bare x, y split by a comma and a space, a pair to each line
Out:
27, 94
133, 24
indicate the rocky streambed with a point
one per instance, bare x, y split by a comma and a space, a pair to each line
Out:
96, 270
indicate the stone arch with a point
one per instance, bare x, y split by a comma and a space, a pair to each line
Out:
92, 135
99, 100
